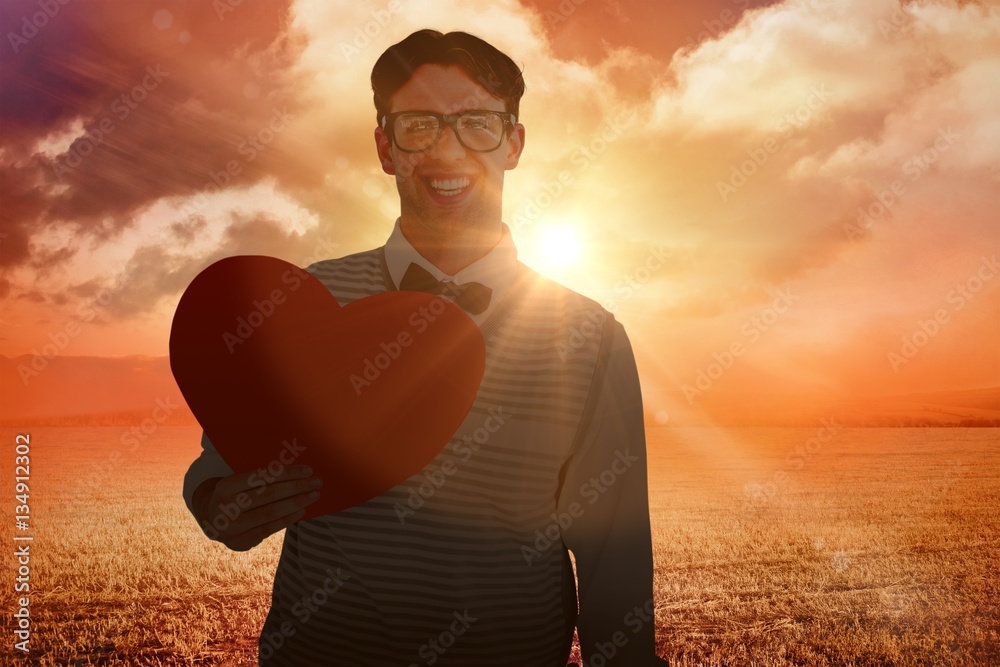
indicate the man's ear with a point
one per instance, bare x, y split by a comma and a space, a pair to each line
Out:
515, 144
383, 145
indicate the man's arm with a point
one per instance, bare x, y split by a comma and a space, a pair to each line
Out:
231, 509
209, 465
610, 538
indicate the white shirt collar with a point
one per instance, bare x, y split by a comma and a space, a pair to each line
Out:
497, 269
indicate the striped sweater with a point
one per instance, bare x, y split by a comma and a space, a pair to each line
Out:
466, 563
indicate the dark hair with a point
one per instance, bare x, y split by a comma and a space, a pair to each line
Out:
483, 62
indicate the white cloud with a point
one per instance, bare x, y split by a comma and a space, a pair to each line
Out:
751, 77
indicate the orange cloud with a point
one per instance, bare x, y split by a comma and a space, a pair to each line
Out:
846, 151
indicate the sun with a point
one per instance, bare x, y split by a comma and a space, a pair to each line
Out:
558, 246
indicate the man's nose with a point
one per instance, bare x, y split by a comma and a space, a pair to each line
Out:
448, 144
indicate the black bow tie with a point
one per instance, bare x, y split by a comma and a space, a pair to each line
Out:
473, 297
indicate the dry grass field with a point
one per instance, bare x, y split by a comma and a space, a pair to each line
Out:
774, 547
875, 547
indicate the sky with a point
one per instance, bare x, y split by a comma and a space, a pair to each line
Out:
792, 199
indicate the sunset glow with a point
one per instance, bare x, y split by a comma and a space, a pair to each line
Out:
556, 248
814, 184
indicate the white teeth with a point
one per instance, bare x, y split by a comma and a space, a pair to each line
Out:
450, 187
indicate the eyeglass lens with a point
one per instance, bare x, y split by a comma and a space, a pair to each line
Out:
476, 131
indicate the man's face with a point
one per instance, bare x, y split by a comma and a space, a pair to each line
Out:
448, 188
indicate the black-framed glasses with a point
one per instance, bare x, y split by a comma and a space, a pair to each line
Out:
478, 130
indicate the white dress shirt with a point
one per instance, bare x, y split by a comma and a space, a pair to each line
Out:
496, 270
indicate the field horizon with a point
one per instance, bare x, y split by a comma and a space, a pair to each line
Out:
61, 395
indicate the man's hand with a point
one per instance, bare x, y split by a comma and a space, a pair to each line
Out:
239, 514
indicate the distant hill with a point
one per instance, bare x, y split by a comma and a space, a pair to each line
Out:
88, 390
967, 407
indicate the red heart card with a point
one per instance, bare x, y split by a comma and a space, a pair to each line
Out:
278, 374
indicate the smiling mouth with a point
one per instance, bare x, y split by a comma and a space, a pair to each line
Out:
449, 187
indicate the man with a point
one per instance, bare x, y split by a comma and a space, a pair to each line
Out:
468, 562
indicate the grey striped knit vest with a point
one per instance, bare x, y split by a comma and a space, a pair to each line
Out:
461, 564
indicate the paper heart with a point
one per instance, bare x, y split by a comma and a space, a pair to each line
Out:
278, 373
